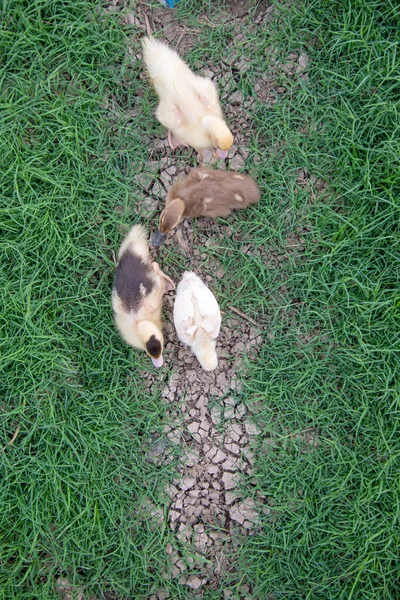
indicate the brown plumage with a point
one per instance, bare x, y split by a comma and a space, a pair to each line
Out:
206, 193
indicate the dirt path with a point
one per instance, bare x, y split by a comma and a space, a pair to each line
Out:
207, 420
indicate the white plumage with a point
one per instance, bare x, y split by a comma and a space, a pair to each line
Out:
197, 319
189, 105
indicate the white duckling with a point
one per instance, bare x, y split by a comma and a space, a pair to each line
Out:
197, 319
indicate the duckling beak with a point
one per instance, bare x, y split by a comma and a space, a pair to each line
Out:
158, 238
157, 362
222, 153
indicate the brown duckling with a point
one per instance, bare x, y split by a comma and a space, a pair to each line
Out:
205, 193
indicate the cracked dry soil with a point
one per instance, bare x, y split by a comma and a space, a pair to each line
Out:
206, 418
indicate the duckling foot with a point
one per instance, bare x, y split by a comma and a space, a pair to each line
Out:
168, 283
174, 142
182, 242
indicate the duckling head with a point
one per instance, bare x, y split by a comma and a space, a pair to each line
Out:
219, 133
153, 341
169, 219
206, 355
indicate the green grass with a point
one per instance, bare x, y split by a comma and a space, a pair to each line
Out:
76, 474
333, 529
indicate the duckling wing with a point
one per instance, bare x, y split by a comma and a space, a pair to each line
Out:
207, 312
184, 315
169, 113
207, 93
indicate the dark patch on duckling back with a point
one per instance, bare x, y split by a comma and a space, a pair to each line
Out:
132, 282
153, 347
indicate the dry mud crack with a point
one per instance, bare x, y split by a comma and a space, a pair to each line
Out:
214, 431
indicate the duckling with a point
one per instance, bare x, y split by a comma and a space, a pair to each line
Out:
189, 107
197, 319
205, 193
137, 294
